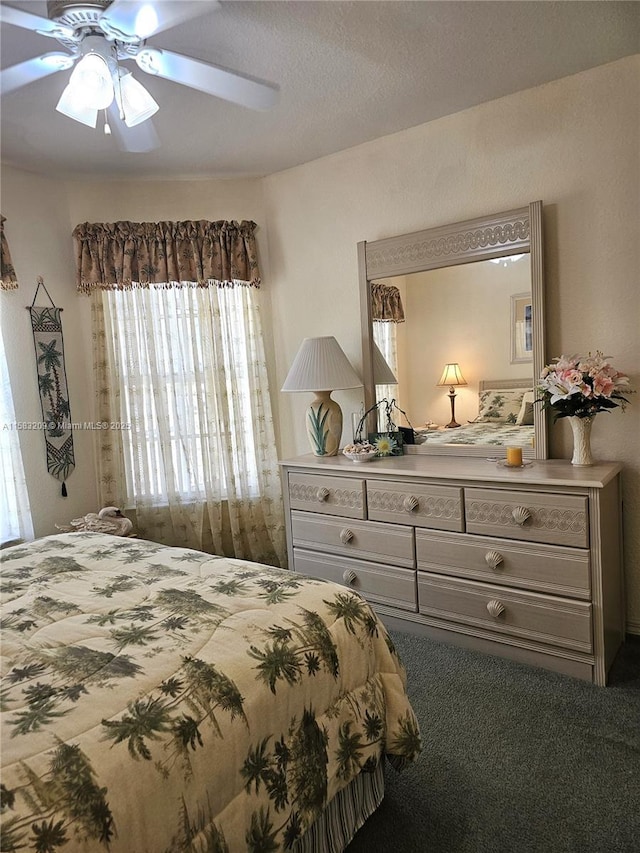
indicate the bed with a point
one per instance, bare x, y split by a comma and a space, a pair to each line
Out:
159, 699
505, 417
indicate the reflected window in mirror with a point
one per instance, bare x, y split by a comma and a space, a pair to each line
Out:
387, 317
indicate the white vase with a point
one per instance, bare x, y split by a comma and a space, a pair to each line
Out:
581, 428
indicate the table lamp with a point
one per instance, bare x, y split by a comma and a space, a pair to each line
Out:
382, 373
452, 377
321, 366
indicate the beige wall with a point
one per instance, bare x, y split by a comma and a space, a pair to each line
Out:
573, 143
462, 314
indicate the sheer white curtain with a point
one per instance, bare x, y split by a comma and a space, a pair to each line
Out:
181, 380
15, 513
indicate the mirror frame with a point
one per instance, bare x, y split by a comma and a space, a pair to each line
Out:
512, 232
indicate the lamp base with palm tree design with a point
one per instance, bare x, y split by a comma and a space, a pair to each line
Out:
324, 424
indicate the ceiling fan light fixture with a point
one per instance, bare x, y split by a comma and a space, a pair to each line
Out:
72, 107
91, 80
134, 101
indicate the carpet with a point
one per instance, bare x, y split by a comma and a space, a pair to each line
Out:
515, 759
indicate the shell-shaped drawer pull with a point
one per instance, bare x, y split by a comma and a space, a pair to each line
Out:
322, 493
349, 577
410, 503
493, 559
346, 536
520, 514
495, 607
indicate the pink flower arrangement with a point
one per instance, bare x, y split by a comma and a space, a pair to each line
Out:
581, 387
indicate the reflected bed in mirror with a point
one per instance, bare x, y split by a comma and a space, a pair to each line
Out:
469, 293
505, 418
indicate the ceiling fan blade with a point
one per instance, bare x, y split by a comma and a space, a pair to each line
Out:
28, 21
126, 18
139, 139
208, 78
33, 69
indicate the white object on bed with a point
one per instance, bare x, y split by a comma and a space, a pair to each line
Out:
109, 520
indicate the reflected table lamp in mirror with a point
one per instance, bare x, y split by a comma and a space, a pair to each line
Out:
383, 378
452, 376
382, 373
321, 366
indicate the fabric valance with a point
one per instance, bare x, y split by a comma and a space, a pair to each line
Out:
119, 255
386, 303
8, 279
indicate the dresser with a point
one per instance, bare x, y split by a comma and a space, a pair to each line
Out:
524, 563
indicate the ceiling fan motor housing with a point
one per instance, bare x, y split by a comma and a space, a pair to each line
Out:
75, 14
84, 17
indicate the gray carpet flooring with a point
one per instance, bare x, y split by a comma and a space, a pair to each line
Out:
515, 759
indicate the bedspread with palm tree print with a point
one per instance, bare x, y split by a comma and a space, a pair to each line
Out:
157, 699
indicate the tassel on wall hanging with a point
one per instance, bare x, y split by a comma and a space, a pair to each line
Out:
46, 323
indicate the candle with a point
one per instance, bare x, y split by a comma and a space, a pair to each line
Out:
514, 456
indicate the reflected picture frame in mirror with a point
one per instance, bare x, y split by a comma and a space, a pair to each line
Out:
505, 235
521, 328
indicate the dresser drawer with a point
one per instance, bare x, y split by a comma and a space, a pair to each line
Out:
439, 507
546, 568
329, 495
531, 516
378, 583
531, 616
367, 540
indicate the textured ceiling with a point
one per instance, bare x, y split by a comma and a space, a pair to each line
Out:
348, 72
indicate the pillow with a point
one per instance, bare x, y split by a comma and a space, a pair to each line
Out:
525, 415
500, 406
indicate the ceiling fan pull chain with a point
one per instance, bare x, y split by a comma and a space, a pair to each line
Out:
107, 127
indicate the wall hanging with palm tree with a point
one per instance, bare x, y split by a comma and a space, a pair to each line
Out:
46, 324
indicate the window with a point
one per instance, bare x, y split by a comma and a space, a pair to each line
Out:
15, 517
184, 359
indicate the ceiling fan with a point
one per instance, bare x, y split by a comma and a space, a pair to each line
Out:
100, 34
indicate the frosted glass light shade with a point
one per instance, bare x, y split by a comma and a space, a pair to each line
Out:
452, 375
73, 107
90, 86
321, 365
135, 103
91, 78
382, 373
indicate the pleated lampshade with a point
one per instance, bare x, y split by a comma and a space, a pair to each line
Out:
321, 365
382, 373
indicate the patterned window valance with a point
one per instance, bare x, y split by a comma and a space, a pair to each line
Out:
121, 255
8, 280
386, 303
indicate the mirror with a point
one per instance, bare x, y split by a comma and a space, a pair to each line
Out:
468, 294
